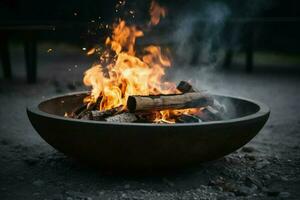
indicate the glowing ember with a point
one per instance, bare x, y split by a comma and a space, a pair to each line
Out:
156, 11
121, 73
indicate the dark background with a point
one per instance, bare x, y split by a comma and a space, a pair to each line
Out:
281, 35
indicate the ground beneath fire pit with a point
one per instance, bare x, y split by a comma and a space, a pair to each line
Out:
268, 167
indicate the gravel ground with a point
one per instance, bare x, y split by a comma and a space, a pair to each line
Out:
266, 168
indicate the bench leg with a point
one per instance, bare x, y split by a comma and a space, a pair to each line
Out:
5, 58
249, 59
228, 59
249, 50
31, 59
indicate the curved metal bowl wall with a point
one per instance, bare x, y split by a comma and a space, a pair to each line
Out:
140, 146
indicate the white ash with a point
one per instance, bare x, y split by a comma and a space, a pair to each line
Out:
123, 117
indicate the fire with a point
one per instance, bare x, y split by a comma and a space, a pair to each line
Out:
156, 11
120, 72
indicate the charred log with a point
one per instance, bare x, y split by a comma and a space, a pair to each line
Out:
188, 119
210, 114
86, 115
185, 87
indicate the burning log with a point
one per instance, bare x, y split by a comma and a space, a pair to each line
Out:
185, 87
211, 112
164, 102
142, 109
84, 110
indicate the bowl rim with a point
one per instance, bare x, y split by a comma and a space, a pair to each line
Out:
34, 108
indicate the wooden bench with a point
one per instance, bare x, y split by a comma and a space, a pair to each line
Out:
250, 26
28, 34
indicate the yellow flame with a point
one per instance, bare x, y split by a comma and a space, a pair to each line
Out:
122, 73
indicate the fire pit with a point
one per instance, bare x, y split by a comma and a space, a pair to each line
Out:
143, 145
133, 118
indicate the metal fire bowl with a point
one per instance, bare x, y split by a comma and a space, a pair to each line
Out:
140, 145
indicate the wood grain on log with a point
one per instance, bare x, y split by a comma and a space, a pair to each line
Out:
165, 102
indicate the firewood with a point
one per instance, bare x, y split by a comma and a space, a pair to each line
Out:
216, 110
164, 102
79, 109
98, 115
210, 114
84, 109
87, 116
144, 117
185, 118
185, 87
219, 107
76, 111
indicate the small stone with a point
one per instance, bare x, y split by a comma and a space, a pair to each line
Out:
230, 194
69, 198
123, 195
243, 191
262, 164
203, 187
267, 177
220, 189
143, 191
218, 181
250, 181
38, 183
284, 195
250, 157
248, 149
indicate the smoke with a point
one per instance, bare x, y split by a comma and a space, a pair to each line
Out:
201, 36
197, 36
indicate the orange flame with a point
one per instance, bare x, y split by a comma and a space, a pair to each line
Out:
91, 51
129, 74
156, 11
